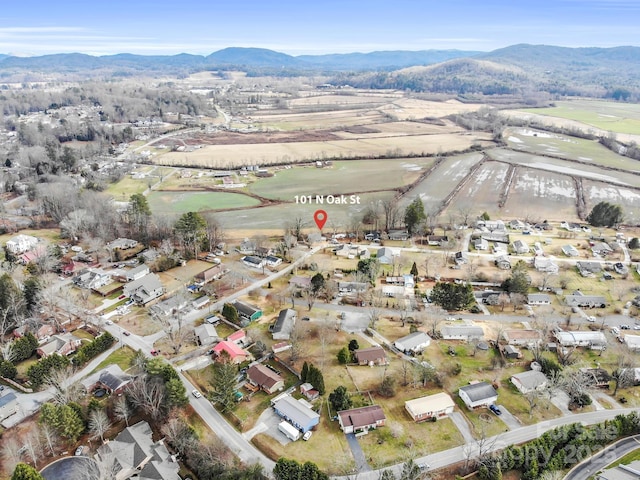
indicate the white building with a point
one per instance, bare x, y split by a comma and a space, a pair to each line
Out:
21, 243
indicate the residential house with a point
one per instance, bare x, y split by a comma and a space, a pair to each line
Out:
620, 268
145, 289
580, 300
545, 264
570, 251
409, 281
385, 255
8, 405
280, 347
371, 356
503, 262
210, 274
282, 328
253, 261
92, 278
263, 377
42, 333
272, 261
297, 412
352, 287
500, 249
414, 343
439, 405
246, 311
247, 247
361, 420
462, 332
236, 354
538, 299
529, 381
32, 255
62, 344
437, 240
122, 244
135, 455
136, 273
171, 305
393, 291
111, 378
537, 249
480, 244
399, 235
520, 247
205, 334
239, 337
585, 338
491, 225
479, 394
309, 391
522, 337
516, 225
601, 249
200, 302
21, 243
589, 269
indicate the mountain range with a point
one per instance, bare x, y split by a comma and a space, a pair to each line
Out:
506, 70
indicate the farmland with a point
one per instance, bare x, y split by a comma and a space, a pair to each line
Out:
181, 202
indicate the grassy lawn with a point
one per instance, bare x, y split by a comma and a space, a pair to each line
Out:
327, 448
122, 190
627, 459
181, 202
518, 405
83, 334
483, 422
121, 357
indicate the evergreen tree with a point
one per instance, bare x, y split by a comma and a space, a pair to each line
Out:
224, 382
25, 472
230, 313
340, 399
305, 372
605, 214
413, 215
353, 345
452, 296
191, 229
414, 270
344, 356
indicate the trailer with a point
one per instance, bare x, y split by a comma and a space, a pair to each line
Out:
289, 430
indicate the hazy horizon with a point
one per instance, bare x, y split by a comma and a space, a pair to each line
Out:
36, 27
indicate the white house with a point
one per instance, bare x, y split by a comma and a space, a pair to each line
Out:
414, 342
529, 381
462, 332
439, 405
570, 251
585, 338
632, 341
481, 244
545, 264
21, 243
520, 247
479, 394
137, 272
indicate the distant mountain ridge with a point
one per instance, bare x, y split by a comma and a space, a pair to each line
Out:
509, 70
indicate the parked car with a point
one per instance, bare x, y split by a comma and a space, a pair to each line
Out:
154, 352
615, 330
307, 435
79, 451
625, 327
424, 466
495, 409
591, 318
196, 393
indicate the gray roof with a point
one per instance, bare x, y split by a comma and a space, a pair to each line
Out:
111, 375
285, 322
530, 379
479, 391
464, 330
7, 399
245, 309
593, 267
538, 297
295, 410
414, 340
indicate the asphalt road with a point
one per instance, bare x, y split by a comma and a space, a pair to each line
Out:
603, 458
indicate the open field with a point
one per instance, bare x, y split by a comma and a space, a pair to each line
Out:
443, 180
275, 217
318, 120
233, 156
611, 116
540, 142
126, 187
629, 199
182, 202
396, 129
341, 177
483, 189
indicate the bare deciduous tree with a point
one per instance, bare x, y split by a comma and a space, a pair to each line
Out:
122, 410
149, 395
99, 423
64, 389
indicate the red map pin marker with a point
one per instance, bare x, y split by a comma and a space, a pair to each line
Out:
320, 217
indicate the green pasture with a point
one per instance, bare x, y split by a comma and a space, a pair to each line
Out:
341, 177
277, 216
612, 116
181, 202
123, 189
538, 142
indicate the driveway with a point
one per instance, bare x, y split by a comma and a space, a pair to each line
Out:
358, 454
461, 422
561, 401
509, 420
601, 396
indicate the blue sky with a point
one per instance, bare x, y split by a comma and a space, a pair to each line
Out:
101, 27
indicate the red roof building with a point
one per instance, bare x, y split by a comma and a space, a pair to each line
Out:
237, 354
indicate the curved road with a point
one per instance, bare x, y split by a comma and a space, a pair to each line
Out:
600, 460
